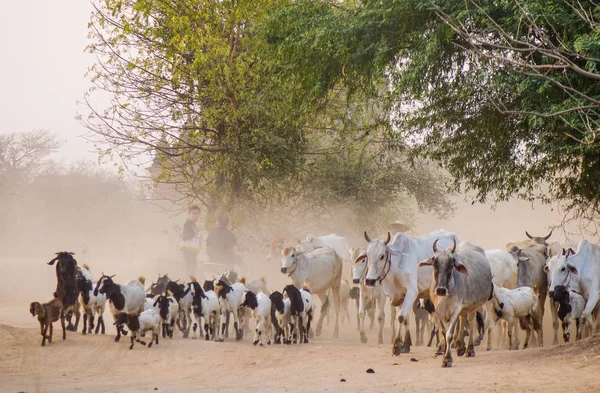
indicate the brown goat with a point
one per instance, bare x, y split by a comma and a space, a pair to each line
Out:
48, 313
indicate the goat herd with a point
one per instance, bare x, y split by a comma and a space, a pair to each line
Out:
456, 287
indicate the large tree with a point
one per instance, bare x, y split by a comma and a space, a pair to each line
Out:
196, 93
503, 94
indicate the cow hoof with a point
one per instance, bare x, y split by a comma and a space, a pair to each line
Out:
460, 351
254, 342
71, 328
447, 363
363, 338
261, 344
83, 332
405, 349
513, 348
488, 349
477, 341
397, 349
471, 352
380, 341
318, 332
311, 334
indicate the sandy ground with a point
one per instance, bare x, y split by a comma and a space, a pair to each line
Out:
97, 364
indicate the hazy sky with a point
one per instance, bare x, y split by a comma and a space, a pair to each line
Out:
42, 69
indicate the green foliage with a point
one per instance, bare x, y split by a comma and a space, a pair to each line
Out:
480, 87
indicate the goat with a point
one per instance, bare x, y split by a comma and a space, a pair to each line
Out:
66, 285
301, 310
280, 316
148, 320
169, 312
47, 313
570, 307
520, 303
261, 311
127, 299
230, 300
205, 305
181, 293
91, 304
160, 286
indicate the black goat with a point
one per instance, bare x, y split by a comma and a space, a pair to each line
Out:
67, 291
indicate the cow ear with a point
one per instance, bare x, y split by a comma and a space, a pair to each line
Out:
546, 269
573, 269
461, 268
522, 259
52, 261
427, 262
360, 258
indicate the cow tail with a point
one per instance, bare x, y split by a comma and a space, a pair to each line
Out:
480, 324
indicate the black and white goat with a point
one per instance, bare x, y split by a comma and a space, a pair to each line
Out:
168, 309
280, 317
182, 293
205, 306
123, 299
92, 304
230, 300
301, 312
260, 304
570, 308
148, 320
66, 286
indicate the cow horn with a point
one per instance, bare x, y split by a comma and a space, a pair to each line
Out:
435, 245
367, 238
112, 276
298, 240
387, 240
564, 251
548, 236
528, 235
453, 246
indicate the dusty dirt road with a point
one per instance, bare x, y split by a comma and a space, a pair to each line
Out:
97, 364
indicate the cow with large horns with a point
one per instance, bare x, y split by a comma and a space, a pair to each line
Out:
461, 283
539, 239
395, 264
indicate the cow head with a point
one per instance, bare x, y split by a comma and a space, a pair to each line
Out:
539, 239
560, 270
378, 256
518, 256
289, 260
444, 263
359, 267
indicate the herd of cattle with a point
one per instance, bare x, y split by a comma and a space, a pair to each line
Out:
457, 287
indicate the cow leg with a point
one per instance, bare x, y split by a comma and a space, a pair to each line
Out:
449, 334
407, 339
471, 324
578, 329
361, 317
555, 324
336, 305
418, 324
461, 348
323, 298
393, 319
588, 310
380, 304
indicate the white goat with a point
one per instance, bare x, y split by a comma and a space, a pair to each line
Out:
230, 300
512, 304
182, 293
570, 307
124, 299
148, 320
261, 311
281, 314
168, 309
91, 303
205, 306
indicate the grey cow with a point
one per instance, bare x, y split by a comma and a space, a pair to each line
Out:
530, 273
461, 283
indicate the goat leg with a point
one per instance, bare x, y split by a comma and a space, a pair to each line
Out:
62, 324
85, 318
44, 335
91, 322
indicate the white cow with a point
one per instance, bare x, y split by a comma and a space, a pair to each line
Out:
338, 243
396, 267
579, 272
369, 297
320, 271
